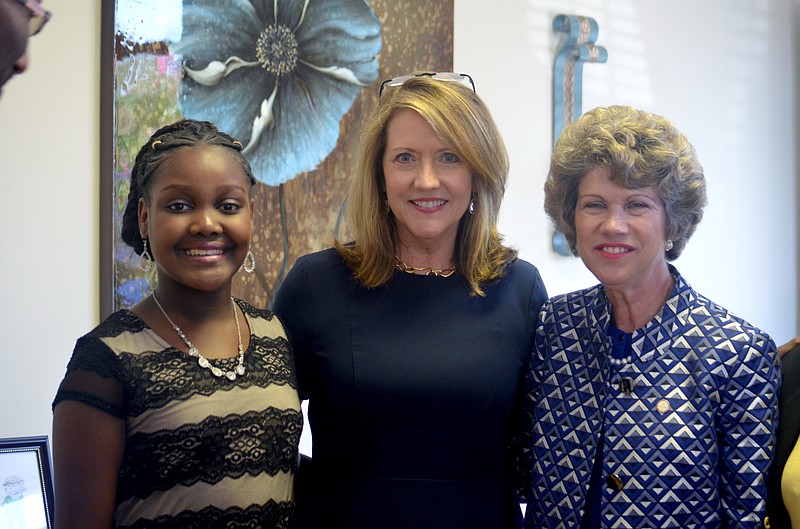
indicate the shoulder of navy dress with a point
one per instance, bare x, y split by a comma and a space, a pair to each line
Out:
326, 258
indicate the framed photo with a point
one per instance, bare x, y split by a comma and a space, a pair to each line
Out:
27, 480
298, 111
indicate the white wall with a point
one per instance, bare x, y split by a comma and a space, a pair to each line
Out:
48, 221
721, 69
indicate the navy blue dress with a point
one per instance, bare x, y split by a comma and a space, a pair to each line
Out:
412, 390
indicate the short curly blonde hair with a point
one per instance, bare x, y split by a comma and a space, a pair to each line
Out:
639, 149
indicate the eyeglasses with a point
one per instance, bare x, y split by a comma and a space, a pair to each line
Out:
439, 76
39, 16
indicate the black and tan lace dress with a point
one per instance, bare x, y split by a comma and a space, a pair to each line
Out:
201, 450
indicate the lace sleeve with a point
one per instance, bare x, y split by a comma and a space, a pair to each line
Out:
92, 379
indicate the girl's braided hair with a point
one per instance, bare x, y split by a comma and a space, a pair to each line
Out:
160, 146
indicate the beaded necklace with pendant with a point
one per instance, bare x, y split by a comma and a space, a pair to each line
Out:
202, 361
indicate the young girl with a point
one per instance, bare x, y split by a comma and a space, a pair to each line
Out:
182, 411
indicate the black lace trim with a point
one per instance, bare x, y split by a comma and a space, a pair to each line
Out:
253, 443
272, 515
276, 352
151, 379
164, 376
119, 322
254, 312
92, 354
91, 400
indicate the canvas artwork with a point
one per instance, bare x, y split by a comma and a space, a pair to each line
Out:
292, 80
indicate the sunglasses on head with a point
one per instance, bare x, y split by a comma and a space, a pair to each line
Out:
439, 76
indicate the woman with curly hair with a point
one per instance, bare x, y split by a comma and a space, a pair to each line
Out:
649, 405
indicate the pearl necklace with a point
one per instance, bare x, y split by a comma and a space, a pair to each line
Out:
428, 271
620, 362
620, 344
202, 360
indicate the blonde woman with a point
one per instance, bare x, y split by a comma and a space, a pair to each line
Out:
410, 341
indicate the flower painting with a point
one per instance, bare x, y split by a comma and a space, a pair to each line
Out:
291, 79
278, 75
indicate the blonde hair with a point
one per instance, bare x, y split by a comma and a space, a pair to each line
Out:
463, 122
639, 149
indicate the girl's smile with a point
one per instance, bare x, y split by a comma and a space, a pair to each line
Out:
198, 217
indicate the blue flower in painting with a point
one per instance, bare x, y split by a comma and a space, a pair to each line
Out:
132, 291
277, 74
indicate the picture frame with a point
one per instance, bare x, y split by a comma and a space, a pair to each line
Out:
141, 90
27, 477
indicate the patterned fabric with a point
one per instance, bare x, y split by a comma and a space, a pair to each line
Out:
201, 451
689, 447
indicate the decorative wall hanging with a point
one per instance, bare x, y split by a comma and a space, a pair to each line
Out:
293, 81
577, 46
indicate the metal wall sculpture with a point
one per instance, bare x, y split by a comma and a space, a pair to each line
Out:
576, 47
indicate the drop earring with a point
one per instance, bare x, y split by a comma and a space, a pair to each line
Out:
669, 245
249, 264
386, 203
145, 259
472, 203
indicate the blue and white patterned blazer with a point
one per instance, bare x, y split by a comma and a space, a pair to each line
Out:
689, 447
